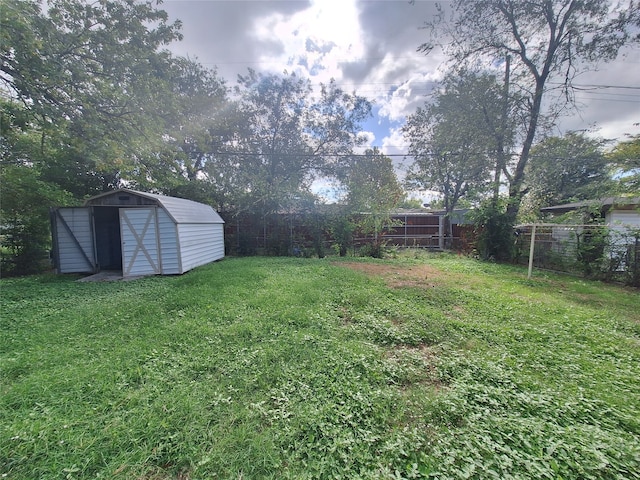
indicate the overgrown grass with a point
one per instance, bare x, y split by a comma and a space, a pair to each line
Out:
292, 368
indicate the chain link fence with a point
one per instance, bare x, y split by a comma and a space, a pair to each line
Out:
610, 253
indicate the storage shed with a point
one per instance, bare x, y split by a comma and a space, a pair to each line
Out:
137, 233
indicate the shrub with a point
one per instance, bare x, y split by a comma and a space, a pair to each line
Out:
494, 230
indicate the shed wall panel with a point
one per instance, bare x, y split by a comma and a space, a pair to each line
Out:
168, 235
200, 244
71, 259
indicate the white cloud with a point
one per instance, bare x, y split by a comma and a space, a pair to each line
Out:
313, 41
371, 138
394, 143
407, 96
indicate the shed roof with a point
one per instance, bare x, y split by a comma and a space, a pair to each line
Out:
604, 204
180, 210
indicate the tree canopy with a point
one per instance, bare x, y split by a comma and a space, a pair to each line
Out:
93, 100
549, 42
625, 157
568, 168
451, 139
285, 136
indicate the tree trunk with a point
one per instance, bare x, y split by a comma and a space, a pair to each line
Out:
516, 191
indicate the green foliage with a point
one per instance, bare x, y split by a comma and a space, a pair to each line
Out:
293, 368
90, 95
494, 230
450, 140
199, 120
372, 191
591, 245
410, 202
287, 137
631, 238
566, 169
626, 159
24, 220
374, 249
610, 254
91, 74
551, 41
77, 60
371, 184
342, 227
97, 102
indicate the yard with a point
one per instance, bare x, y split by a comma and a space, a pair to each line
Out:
420, 366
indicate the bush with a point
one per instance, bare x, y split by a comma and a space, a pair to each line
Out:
24, 222
494, 230
374, 249
591, 245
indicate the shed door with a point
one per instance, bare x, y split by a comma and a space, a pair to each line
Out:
73, 245
140, 251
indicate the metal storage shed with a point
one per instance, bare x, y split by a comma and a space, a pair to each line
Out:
137, 233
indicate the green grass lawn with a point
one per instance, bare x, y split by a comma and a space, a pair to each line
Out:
421, 366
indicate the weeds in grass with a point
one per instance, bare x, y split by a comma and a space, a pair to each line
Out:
300, 368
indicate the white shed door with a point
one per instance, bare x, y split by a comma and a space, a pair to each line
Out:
73, 240
140, 251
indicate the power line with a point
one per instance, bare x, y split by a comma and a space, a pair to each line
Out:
591, 98
596, 86
346, 155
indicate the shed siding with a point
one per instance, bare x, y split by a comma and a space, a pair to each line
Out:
71, 259
621, 219
168, 235
200, 244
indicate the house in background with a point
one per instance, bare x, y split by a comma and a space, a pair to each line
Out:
620, 216
617, 212
137, 233
426, 228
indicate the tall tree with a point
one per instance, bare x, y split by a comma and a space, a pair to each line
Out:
86, 94
83, 58
549, 41
452, 141
371, 191
24, 196
198, 124
275, 161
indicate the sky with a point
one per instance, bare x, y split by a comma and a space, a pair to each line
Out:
370, 47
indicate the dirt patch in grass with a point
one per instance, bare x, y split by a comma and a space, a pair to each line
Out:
421, 363
415, 276
424, 276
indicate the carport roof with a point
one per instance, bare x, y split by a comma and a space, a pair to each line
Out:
603, 203
180, 210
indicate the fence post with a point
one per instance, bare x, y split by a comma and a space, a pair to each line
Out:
531, 249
